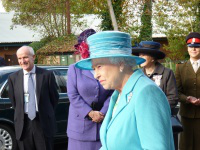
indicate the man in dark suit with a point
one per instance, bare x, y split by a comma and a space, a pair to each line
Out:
33, 93
188, 83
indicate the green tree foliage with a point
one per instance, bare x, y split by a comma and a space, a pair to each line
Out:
126, 12
49, 15
106, 19
176, 18
138, 19
40, 44
146, 25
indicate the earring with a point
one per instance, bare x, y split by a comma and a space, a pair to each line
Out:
121, 69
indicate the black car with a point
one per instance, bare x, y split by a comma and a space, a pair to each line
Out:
7, 134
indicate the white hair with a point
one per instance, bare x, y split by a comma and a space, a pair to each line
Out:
30, 49
130, 62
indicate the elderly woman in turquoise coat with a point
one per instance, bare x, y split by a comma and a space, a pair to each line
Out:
138, 117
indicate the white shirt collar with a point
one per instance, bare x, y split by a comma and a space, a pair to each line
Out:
32, 71
192, 61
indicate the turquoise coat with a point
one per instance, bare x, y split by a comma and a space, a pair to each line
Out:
142, 119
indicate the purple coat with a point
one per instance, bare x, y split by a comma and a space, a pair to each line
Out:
83, 89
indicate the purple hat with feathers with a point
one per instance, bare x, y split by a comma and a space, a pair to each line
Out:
83, 36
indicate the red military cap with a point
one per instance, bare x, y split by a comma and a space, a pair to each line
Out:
193, 39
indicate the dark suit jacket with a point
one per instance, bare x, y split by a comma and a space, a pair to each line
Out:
188, 83
167, 83
47, 98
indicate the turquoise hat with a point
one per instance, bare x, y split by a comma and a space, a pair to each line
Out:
108, 44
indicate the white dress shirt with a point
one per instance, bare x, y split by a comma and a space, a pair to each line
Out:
26, 75
192, 62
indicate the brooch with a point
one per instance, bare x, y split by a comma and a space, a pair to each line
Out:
129, 97
157, 79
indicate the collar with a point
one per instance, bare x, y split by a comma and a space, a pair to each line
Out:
159, 69
125, 97
92, 71
88, 73
192, 61
32, 71
132, 81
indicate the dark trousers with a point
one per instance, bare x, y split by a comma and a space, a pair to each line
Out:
189, 138
175, 141
32, 136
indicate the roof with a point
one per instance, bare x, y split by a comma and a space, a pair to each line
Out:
18, 34
60, 45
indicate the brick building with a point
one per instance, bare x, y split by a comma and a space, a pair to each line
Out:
12, 39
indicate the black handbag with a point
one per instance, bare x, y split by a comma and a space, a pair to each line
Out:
176, 125
95, 106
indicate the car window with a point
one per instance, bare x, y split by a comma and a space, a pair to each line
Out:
63, 73
3, 78
61, 77
5, 91
61, 87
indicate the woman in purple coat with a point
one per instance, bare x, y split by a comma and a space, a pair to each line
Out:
88, 104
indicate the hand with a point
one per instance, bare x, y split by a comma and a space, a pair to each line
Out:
193, 100
198, 102
96, 116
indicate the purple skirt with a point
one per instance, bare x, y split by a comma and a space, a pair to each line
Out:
83, 145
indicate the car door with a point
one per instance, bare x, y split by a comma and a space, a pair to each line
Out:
62, 108
4, 100
7, 112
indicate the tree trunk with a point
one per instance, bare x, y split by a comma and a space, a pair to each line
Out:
112, 15
68, 17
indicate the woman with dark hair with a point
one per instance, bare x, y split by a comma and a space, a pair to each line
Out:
162, 76
88, 103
